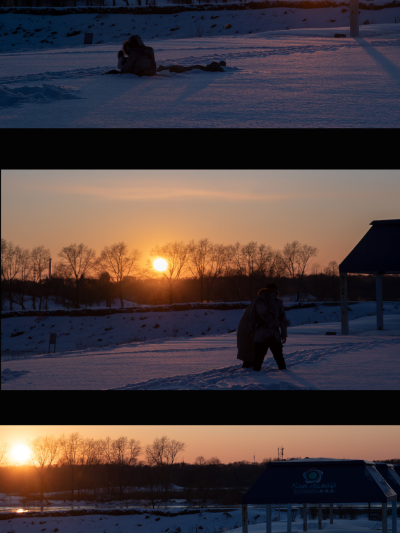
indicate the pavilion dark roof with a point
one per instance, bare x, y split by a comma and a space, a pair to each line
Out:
390, 475
378, 250
320, 482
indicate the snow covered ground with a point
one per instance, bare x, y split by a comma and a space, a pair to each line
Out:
284, 69
366, 359
31, 333
206, 522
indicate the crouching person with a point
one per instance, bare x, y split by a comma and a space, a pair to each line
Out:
268, 322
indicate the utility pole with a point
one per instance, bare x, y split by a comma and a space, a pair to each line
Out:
354, 23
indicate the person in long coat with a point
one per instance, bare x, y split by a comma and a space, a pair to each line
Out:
245, 340
267, 320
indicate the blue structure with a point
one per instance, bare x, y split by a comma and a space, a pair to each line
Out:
377, 253
320, 481
389, 473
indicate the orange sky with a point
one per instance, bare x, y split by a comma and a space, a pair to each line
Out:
329, 209
236, 443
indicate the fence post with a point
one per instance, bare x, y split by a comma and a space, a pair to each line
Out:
304, 517
244, 519
331, 513
320, 516
394, 516
343, 300
384, 517
269, 518
289, 518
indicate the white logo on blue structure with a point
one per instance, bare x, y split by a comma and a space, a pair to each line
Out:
312, 475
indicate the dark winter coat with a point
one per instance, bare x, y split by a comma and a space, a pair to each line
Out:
267, 317
245, 338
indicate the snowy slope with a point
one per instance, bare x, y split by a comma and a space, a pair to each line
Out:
366, 359
52, 304
31, 333
21, 32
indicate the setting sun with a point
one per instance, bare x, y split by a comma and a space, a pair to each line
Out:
21, 453
160, 265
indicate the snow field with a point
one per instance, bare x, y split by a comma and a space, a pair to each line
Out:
364, 360
282, 70
206, 522
24, 334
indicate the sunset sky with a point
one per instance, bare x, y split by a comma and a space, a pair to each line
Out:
236, 443
329, 209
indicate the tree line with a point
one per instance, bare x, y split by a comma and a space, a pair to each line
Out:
197, 271
117, 264
112, 469
108, 469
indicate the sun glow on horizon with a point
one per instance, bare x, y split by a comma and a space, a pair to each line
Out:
21, 453
160, 264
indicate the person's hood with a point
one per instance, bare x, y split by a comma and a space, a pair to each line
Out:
270, 294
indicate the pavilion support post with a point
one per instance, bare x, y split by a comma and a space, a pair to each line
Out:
244, 519
320, 516
289, 518
304, 517
268, 518
354, 22
384, 517
394, 516
369, 510
343, 300
379, 302
331, 513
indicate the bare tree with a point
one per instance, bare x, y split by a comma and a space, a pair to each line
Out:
44, 452
10, 265
162, 453
119, 262
78, 261
176, 255
332, 269
70, 451
40, 261
124, 454
3, 453
120, 454
89, 454
207, 472
295, 258
198, 258
207, 261
24, 274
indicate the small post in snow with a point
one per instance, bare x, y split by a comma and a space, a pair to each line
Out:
354, 23
331, 513
244, 519
289, 518
379, 302
320, 516
343, 301
268, 518
53, 338
384, 517
304, 517
394, 516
